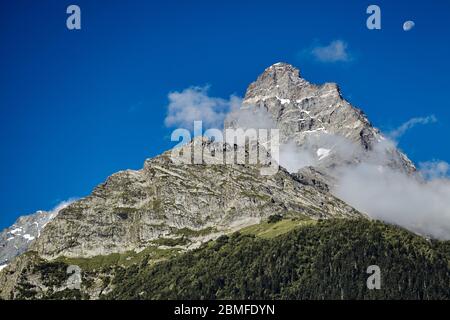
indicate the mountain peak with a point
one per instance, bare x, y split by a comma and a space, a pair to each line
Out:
307, 113
278, 75
283, 68
284, 81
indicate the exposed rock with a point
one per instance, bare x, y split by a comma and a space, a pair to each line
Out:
134, 208
310, 176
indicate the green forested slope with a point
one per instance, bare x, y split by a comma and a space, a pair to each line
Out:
323, 260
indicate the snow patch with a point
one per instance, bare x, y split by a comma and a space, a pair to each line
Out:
37, 226
28, 237
316, 130
16, 230
3, 267
284, 101
322, 153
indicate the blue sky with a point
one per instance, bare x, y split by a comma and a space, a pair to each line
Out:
77, 106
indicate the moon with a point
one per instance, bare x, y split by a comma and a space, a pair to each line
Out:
408, 25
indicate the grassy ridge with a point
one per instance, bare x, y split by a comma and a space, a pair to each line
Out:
150, 254
268, 230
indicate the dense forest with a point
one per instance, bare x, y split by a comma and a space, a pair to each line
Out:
323, 260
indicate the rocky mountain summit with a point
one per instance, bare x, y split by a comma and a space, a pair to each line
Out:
318, 118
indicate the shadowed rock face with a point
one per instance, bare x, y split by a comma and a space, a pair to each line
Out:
314, 115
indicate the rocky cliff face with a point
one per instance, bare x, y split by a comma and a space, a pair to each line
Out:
133, 209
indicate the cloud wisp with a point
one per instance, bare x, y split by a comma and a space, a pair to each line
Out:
60, 206
401, 130
335, 51
436, 169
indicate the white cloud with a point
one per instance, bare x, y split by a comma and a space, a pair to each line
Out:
419, 202
336, 51
401, 130
194, 104
398, 198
